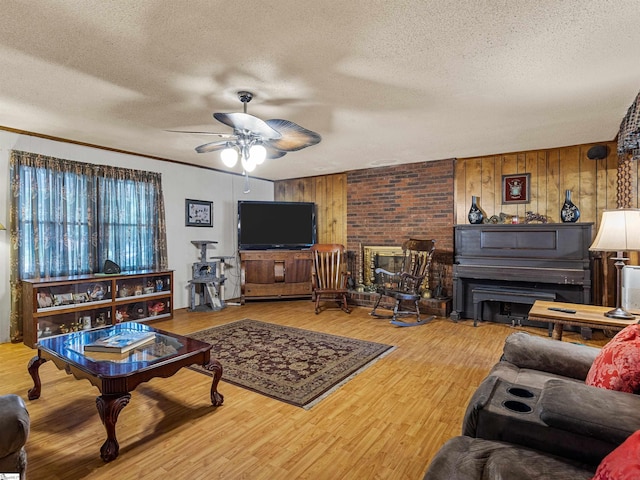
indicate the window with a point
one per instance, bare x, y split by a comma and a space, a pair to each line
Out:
72, 216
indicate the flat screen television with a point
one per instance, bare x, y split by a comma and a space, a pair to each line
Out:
276, 225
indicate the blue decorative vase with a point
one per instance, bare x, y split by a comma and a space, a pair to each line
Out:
475, 214
569, 212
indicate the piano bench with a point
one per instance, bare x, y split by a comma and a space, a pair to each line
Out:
506, 294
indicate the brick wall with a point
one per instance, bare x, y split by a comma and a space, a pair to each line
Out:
387, 205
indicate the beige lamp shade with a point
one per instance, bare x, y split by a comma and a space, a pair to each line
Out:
619, 231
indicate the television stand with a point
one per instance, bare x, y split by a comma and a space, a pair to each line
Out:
273, 274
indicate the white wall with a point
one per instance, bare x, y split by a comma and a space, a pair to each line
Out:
179, 182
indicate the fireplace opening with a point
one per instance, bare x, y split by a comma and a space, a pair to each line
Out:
388, 258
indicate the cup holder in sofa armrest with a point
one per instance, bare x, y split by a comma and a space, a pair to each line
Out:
520, 392
516, 406
605, 414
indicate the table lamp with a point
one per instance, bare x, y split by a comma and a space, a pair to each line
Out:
619, 232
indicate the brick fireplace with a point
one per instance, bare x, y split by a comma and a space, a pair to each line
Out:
388, 205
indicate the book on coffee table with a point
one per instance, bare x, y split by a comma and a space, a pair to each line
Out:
120, 342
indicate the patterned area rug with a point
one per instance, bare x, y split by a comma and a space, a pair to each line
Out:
289, 364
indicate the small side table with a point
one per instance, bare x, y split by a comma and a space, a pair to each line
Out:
589, 316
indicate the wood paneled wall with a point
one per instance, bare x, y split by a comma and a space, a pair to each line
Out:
329, 192
593, 183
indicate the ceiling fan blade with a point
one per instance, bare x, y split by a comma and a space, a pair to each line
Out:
221, 135
273, 153
212, 147
294, 137
244, 121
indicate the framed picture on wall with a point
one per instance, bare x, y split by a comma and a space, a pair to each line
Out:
516, 188
198, 213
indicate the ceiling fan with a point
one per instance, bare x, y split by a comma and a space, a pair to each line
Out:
253, 140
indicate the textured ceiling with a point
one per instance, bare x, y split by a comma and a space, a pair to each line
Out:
383, 81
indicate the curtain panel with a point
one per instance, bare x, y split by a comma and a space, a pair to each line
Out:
67, 218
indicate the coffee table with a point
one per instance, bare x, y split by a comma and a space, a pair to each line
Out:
116, 376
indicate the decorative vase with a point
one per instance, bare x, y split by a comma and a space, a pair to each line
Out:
569, 213
475, 214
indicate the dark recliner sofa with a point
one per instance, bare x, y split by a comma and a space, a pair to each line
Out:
563, 415
533, 416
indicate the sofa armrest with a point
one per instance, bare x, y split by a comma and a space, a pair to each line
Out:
477, 403
559, 358
14, 424
590, 411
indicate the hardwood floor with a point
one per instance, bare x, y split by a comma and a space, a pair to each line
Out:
386, 423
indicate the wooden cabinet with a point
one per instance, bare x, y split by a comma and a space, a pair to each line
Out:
275, 273
53, 306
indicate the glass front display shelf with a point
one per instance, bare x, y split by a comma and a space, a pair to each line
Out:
75, 295
143, 310
73, 322
55, 306
143, 286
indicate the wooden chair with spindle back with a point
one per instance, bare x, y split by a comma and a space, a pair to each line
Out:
329, 275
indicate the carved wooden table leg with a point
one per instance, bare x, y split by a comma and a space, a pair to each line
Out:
109, 407
216, 367
34, 365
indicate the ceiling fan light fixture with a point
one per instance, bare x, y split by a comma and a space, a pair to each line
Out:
229, 156
253, 139
257, 154
248, 164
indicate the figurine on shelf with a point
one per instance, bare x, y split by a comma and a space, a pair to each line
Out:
100, 321
96, 292
159, 285
138, 290
44, 300
137, 311
121, 316
156, 308
535, 217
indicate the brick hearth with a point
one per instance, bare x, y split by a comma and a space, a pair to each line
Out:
429, 306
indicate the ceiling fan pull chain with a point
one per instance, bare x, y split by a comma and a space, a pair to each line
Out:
247, 188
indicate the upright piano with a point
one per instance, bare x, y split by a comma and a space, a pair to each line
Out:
549, 257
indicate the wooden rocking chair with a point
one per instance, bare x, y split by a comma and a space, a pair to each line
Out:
404, 286
329, 275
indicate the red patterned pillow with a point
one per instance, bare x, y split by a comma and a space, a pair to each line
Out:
617, 366
623, 463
